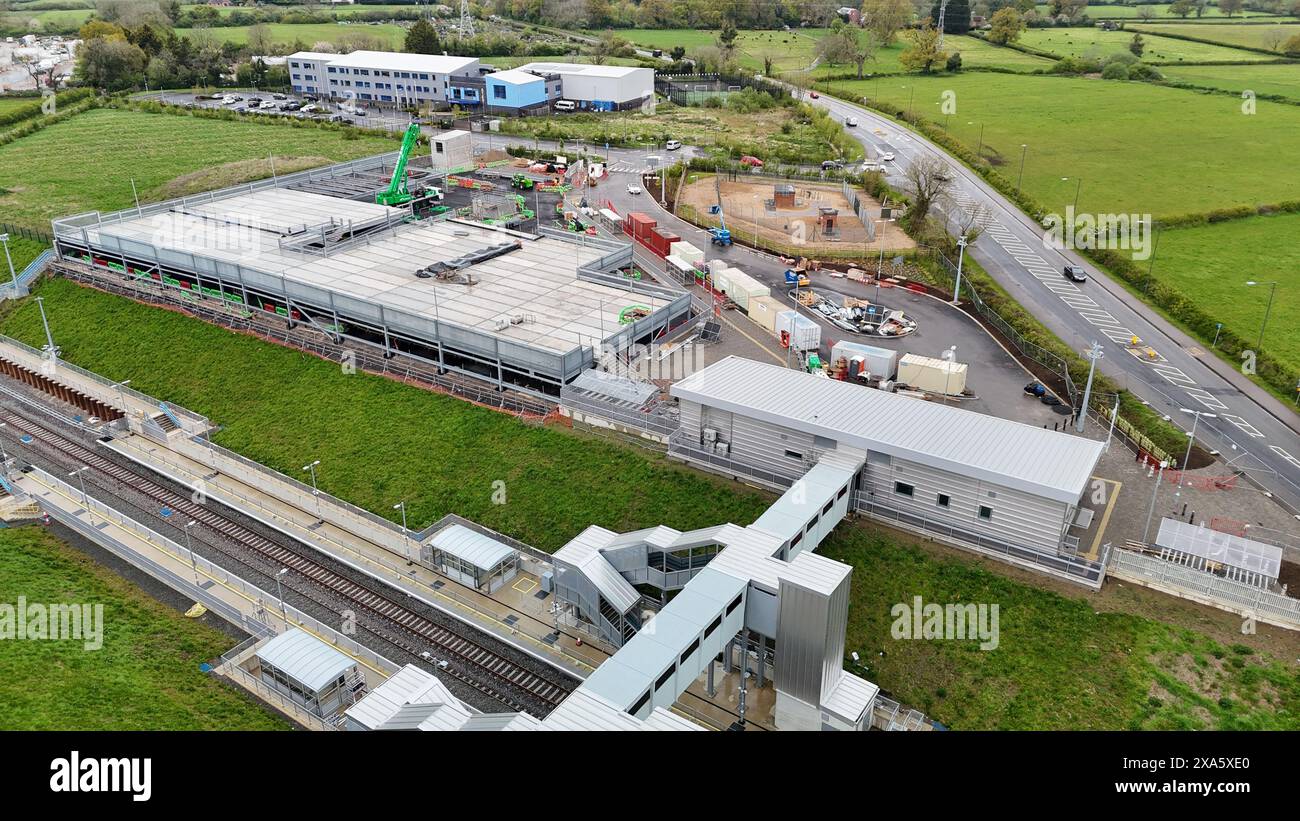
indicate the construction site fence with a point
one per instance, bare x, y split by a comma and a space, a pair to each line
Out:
1217, 591
1128, 433
26, 233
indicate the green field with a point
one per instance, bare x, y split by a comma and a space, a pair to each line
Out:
39, 178
795, 51
1215, 261
1252, 36
1081, 42
1283, 80
1085, 128
8, 104
389, 35
1161, 11
1060, 664
145, 677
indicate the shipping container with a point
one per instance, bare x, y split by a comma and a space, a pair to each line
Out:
798, 331
763, 310
880, 363
660, 241
932, 375
638, 224
717, 266
719, 278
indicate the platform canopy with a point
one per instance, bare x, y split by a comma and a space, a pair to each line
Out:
305, 659
472, 547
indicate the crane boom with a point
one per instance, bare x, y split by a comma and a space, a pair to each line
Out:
396, 193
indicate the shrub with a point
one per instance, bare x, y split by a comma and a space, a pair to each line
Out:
1115, 71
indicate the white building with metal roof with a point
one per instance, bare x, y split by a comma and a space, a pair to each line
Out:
993, 485
386, 77
309, 671
599, 88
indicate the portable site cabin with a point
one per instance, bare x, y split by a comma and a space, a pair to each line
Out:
764, 310
932, 375
864, 360
741, 287
798, 331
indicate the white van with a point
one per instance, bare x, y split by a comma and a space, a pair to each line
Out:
673, 145
565, 105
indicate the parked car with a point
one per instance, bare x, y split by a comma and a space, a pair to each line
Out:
267, 105
1075, 273
851, 122
229, 100
752, 162
832, 165
673, 145
292, 105
309, 108
339, 118
634, 189
277, 96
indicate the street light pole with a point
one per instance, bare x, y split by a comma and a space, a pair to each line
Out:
951, 356
49, 338
190, 547
961, 256
1191, 439
315, 491
4, 240
405, 534
1151, 511
1267, 310
279, 592
1024, 148
1094, 353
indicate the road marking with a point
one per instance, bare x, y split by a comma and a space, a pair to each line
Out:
1246, 427
1285, 455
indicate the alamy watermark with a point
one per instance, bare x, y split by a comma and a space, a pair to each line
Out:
33, 621
1114, 232
953, 622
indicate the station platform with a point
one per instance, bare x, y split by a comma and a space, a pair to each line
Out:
514, 614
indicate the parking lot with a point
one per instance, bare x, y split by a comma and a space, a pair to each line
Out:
284, 105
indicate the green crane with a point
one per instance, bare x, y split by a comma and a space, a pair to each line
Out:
396, 193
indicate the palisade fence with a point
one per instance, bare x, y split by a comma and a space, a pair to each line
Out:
1026, 348
1225, 594
25, 233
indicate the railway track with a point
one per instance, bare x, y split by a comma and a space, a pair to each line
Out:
485, 670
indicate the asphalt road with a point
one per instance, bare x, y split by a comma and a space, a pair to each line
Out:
1251, 430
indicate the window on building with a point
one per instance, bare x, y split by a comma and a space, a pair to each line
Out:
986, 513
734, 605
664, 676
943, 500
499, 92
827, 508
843, 491
695, 645
903, 489
641, 702
794, 454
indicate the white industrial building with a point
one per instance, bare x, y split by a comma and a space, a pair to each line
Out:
395, 78
471, 558
1000, 487
308, 671
599, 88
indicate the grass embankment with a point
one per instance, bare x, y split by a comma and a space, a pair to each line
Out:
1059, 665
60, 170
145, 677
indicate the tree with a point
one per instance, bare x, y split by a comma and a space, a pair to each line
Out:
1230, 7
928, 181
1006, 26
422, 38
100, 28
1137, 45
259, 39
886, 18
956, 17
1292, 47
678, 53
727, 40
608, 45
954, 62
1181, 8
922, 52
1146, 13
114, 65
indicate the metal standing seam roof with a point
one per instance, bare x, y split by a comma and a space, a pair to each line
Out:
515, 76
588, 69
434, 706
1046, 463
788, 515
1224, 548
473, 547
403, 61
583, 552
850, 697
304, 658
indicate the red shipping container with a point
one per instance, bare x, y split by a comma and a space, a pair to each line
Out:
642, 224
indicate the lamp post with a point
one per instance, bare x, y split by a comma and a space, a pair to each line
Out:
4, 240
1077, 188
190, 548
121, 395
1272, 287
49, 338
279, 593
961, 256
1151, 511
85, 499
1024, 148
951, 356
402, 507
315, 491
1094, 353
4, 466
1191, 439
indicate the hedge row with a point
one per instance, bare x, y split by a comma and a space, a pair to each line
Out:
33, 125
34, 109
1206, 41
1229, 214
